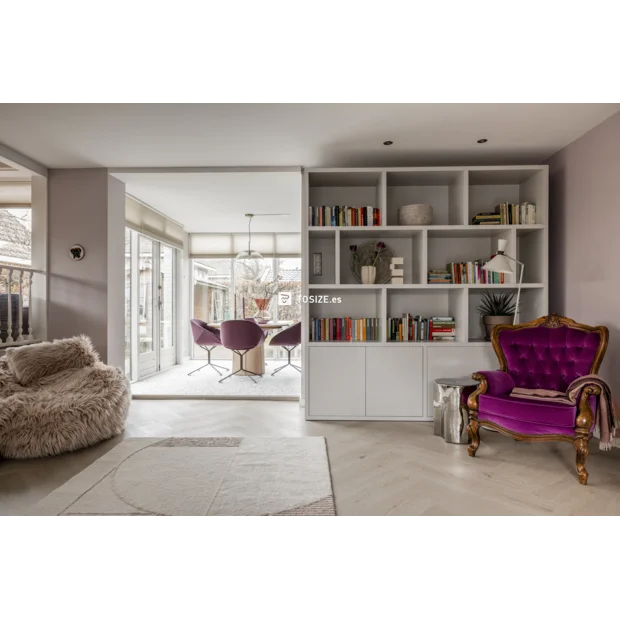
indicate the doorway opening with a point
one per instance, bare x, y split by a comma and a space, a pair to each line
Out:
150, 306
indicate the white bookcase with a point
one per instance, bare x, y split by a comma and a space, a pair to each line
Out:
393, 380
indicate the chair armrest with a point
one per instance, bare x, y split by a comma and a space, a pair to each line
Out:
492, 382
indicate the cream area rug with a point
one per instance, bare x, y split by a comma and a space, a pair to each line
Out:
201, 476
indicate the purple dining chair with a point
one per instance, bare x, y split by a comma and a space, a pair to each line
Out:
288, 339
241, 336
206, 338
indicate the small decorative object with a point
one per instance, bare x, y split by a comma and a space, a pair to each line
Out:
397, 270
376, 256
262, 293
263, 315
415, 215
76, 252
497, 309
317, 264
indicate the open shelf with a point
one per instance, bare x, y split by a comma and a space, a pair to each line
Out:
490, 187
445, 190
533, 304
427, 303
447, 249
353, 188
410, 246
530, 251
325, 245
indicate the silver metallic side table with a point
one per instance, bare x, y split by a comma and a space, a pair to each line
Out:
450, 405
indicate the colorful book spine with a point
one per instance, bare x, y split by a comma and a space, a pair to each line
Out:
345, 329
515, 214
337, 215
472, 273
410, 328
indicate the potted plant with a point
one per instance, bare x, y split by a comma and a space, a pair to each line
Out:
497, 309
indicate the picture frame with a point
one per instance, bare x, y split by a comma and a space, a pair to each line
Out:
317, 264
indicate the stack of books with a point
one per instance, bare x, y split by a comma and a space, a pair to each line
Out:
344, 330
439, 276
410, 328
442, 329
344, 216
472, 273
486, 219
525, 213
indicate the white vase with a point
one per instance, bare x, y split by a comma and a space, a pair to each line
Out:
369, 273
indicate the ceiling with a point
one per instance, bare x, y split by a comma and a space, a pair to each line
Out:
217, 202
144, 135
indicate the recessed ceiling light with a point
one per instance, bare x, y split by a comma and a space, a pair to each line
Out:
388, 143
482, 141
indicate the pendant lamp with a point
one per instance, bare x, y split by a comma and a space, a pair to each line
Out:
250, 264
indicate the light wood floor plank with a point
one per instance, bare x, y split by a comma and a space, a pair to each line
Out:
378, 468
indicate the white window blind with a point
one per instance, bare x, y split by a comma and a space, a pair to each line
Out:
228, 245
152, 224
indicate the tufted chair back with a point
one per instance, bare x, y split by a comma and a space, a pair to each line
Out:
549, 353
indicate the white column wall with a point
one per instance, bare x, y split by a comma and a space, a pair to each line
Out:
87, 207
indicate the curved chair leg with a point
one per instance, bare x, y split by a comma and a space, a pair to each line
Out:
582, 449
583, 424
473, 430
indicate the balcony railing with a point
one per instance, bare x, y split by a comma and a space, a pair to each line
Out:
17, 318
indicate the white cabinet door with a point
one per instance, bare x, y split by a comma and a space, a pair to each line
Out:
394, 382
455, 362
336, 381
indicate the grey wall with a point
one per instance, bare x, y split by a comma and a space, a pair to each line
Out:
584, 201
87, 207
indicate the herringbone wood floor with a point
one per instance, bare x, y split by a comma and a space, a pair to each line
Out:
378, 468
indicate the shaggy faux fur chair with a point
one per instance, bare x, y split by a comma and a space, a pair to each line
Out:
57, 397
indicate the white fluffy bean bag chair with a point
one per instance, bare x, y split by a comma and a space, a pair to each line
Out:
57, 397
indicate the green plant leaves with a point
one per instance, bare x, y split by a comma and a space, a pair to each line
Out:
500, 304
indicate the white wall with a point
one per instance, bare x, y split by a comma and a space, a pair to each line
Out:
87, 207
40, 282
116, 272
584, 184
183, 305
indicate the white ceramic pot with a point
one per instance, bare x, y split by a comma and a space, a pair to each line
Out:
369, 274
415, 215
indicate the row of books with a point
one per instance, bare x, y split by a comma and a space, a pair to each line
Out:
421, 329
344, 216
525, 213
344, 329
473, 273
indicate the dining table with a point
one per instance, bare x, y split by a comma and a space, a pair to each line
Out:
255, 358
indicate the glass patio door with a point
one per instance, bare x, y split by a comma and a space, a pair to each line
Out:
165, 303
148, 309
153, 287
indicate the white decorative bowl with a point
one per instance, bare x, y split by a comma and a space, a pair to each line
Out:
415, 215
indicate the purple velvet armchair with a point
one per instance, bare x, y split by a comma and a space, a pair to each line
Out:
548, 353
